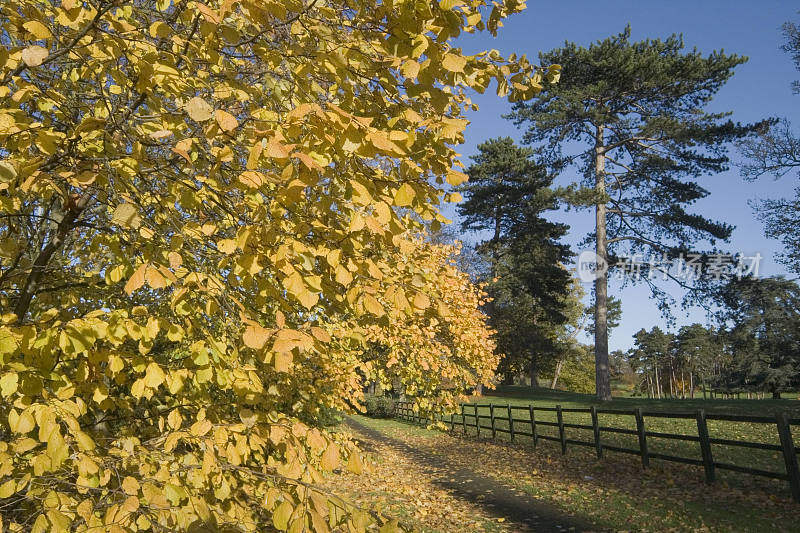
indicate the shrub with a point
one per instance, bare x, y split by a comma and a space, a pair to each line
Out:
379, 406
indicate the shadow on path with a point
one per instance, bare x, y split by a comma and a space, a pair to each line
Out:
519, 509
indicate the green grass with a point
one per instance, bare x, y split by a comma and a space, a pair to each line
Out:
739, 431
573, 399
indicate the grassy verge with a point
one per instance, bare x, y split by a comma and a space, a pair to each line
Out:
614, 493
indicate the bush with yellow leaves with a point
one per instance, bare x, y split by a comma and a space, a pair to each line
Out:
205, 216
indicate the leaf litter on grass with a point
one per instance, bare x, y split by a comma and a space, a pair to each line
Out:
399, 487
616, 492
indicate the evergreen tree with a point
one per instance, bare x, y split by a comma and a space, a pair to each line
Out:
699, 348
635, 114
651, 356
764, 333
505, 196
613, 315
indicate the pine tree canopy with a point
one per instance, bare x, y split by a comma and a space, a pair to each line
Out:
641, 105
506, 195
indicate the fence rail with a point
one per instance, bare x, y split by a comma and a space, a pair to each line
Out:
528, 427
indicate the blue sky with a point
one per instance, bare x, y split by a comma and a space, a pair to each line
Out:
760, 88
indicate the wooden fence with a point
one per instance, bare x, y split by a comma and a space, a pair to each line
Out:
526, 424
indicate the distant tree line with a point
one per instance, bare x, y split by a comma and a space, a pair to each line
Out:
755, 348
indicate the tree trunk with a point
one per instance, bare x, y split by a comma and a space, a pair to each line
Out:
602, 375
683, 384
658, 383
557, 371
534, 374
691, 385
776, 395
673, 382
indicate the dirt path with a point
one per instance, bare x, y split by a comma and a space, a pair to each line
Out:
515, 510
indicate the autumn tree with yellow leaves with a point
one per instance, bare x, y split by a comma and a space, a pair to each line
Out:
208, 212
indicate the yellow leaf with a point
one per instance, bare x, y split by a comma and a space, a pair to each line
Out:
421, 300
130, 485
283, 361
8, 384
454, 63
8, 488
252, 179
38, 29
130, 505
281, 516
7, 171
33, 56
354, 463
381, 141
226, 246
174, 419
155, 279
410, 68
256, 337
85, 509
137, 389
226, 121
320, 334
153, 376
455, 177
209, 14
330, 458
276, 149
199, 110
137, 279
201, 427
22, 423
85, 442
404, 195
126, 215
372, 305
159, 29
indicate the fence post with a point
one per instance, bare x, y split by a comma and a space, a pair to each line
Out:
789, 454
705, 446
533, 424
561, 434
491, 416
642, 437
477, 421
511, 422
452, 422
596, 427
463, 419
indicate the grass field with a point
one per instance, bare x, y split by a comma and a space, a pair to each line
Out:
739, 431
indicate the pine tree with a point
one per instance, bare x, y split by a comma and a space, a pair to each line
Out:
634, 112
699, 347
505, 196
764, 334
